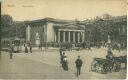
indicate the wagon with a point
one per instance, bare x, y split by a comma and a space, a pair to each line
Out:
103, 66
98, 65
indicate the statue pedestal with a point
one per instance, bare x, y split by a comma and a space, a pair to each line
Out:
37, 42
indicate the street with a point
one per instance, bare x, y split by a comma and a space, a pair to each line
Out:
46, 65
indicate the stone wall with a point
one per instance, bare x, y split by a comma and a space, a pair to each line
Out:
50, 32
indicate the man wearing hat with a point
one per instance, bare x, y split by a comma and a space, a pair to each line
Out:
78, 63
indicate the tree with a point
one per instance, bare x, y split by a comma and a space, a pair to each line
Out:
10, 28
6, 25
6, 21
20, 29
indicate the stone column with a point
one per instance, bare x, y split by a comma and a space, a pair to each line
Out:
74, 37
82, 33
63, 36
78, 36
55, 36
58, 36
45, 33
69, 36
28, 33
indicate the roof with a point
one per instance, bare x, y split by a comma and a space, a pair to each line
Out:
59, 21
51, 20
69, 26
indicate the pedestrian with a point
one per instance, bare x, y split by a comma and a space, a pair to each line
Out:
61, 53
11, 51
12, 47
26, 49
40, 46
65, 63
30, 46
11, 55
62, 57
78, 63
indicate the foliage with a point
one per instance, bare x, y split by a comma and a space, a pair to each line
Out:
10, 28
100, 28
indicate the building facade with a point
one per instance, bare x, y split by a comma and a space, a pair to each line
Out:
54, 31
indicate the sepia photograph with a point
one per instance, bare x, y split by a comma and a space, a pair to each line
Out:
63, 39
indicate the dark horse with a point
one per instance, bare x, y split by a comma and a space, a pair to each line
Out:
121, 59
115, 63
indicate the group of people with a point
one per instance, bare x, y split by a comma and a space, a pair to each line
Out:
64, 62
26, 45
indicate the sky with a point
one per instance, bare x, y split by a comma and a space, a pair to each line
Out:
22, 10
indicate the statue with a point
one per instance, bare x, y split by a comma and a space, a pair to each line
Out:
37, 42
37, 35
109, 41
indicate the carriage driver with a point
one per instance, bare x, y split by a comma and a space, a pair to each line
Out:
109, 55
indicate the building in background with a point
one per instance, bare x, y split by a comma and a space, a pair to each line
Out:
54, 31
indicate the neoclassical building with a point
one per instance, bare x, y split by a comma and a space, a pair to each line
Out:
49, 30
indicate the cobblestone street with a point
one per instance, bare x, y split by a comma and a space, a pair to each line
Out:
46, 65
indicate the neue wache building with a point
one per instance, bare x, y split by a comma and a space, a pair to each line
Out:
54, 31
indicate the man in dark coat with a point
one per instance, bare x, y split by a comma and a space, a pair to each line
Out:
109, 55
78, 63
11, 51
30, 47
61, 53
26, 49
40, 46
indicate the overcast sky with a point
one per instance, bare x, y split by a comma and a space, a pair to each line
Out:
62, 9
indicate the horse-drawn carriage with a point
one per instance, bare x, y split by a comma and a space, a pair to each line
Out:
101, 65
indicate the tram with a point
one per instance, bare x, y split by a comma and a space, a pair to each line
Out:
17, 45
16, 42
